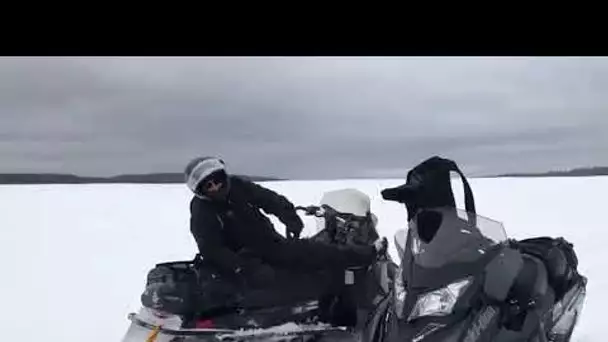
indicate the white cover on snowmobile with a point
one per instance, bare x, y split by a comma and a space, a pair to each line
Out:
347, 200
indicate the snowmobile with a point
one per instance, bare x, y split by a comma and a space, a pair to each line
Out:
185, 301
461, 279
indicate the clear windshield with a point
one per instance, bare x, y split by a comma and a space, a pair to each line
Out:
442, 236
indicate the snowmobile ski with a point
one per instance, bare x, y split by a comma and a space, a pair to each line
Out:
178, 332
241, 335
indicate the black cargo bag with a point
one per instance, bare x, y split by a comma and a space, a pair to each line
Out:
558, 257
185, 288
171, 287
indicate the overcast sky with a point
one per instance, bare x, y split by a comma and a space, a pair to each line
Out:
302, 117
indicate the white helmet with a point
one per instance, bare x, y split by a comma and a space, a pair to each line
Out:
198, 169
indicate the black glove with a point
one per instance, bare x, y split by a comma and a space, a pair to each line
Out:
294, 229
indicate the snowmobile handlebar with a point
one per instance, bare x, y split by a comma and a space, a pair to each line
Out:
319, 211
311, 210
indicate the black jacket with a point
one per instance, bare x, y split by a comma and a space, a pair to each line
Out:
225, 230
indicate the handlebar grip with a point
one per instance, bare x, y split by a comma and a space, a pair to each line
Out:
322, 211
310, 210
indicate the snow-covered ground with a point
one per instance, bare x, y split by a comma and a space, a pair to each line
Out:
73, 258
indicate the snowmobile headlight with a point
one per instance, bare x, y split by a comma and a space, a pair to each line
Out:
439, 302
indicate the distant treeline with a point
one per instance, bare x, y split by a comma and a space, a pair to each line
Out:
578, 172
164, 178
153, 178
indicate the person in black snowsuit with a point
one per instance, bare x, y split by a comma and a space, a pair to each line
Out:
240, 242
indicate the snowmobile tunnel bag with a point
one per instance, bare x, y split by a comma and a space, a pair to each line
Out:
171, 287
188, 287
185, 287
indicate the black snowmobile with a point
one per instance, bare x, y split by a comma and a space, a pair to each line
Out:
462, 280
186, 301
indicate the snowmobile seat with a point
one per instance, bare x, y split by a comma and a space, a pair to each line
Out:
528, 300
558, 257
530, 297
288, 288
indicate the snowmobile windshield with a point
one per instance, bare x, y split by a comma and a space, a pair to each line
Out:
441, 236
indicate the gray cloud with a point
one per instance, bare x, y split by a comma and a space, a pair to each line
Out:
302, 117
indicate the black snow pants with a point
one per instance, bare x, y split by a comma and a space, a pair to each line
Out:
309, 255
